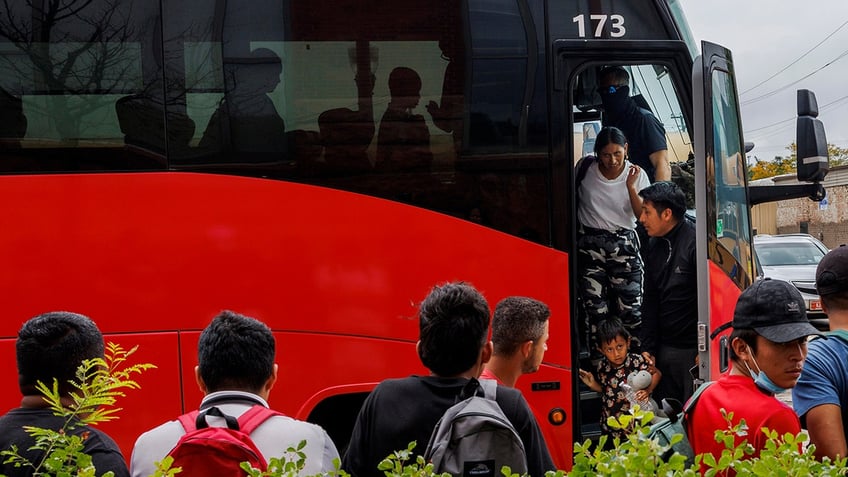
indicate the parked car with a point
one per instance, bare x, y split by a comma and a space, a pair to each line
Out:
793, 258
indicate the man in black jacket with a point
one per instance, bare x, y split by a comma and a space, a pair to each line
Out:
670, 302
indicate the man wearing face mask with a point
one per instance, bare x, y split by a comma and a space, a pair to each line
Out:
768, 346
644, 132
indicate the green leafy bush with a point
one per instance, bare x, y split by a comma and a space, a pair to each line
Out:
638, 455
100, 382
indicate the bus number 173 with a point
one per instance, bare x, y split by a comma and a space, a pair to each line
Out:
617, 29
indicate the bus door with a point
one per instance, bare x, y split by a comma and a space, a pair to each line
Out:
723, 225
659, 74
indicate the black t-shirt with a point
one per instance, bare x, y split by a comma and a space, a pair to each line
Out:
399, 411
103, 450
645, 135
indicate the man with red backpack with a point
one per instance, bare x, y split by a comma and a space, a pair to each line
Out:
236, 372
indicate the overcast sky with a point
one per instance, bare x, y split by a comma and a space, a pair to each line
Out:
767, 36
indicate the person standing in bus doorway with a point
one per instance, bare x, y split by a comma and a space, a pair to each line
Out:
50, 348
646, 135
670, 303
520, 330
453, 345
610, 284
768, 346
236, 372
821, 396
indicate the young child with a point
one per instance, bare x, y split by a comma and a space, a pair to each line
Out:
618, 362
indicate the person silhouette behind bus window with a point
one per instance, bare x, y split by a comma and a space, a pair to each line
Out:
13, 123
403, 140
447, 114
246, 120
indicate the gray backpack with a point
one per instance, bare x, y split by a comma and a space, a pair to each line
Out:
474, 438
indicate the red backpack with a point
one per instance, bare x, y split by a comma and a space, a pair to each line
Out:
219, 451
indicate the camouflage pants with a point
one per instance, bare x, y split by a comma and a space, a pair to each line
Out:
610, 278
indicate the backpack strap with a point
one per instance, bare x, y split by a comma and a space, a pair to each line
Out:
201, 422
583, 166
188, 420
690, 404
490, 389
247, 422
253, 417
672, 407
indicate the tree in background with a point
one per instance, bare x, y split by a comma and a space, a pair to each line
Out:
838, 156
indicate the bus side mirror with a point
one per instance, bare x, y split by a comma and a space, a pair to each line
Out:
812, 155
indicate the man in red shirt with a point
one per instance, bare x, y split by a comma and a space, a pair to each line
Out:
768, 346
520, 335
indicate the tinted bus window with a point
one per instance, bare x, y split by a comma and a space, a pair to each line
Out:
393, 105
66, 100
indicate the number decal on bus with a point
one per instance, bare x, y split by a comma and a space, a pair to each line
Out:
617, 29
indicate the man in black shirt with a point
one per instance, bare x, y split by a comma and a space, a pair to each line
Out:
454, 327
52, 346
645, 134
670, 303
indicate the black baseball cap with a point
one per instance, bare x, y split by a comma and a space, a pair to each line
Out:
775, 310
832, 272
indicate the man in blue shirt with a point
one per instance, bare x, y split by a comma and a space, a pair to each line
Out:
821, 395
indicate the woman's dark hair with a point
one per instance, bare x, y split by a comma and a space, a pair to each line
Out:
609, 135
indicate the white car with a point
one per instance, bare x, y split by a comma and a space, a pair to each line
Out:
793, 258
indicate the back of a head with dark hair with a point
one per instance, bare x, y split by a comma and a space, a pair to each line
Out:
608, 330
517, 319
617, 74
609, 135
235, 352
835, 301
52, 346
453, 326
666, 195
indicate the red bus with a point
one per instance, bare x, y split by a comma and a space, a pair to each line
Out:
162, 161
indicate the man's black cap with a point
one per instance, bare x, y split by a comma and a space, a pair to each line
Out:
775, 310
832, 272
